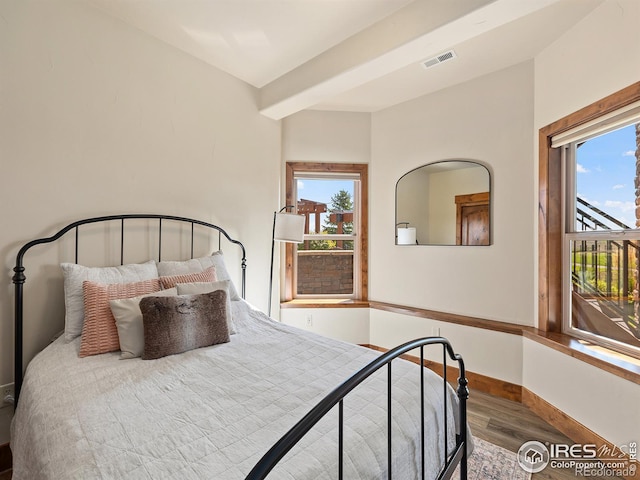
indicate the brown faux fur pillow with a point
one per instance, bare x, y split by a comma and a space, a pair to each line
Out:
184, 322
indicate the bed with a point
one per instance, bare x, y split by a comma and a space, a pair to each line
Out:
265, 401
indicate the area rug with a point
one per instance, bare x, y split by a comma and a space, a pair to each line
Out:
491, 462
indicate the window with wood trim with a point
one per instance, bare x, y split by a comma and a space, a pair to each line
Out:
332, 260
589, 241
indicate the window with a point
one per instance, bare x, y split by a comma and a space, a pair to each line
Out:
602, 242
589, 248
332, 260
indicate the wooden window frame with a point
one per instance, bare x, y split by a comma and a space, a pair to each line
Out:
319, 167
550, 227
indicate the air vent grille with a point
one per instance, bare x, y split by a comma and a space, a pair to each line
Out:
438, 59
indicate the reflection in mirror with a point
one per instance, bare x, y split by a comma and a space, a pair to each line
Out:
444, 203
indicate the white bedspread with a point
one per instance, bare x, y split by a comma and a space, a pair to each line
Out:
213, 412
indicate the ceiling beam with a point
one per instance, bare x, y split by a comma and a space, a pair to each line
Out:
421, 29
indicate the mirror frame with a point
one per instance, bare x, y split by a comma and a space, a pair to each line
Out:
470, 198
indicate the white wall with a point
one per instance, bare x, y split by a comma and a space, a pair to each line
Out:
604, 403
490, 120
597, 57
346, 324
323, 136
505, 362
412, 202
98, 118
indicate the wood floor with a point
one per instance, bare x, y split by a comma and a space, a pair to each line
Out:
504, 423
510, 424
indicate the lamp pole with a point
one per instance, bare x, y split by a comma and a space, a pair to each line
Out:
273, 245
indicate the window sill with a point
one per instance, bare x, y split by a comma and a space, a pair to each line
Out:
613, 362
325, 303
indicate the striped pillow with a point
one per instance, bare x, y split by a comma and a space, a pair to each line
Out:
99, 332
208, 275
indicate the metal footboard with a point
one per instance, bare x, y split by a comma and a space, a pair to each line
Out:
457, 457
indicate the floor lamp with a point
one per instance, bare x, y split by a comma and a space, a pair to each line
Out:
289, 228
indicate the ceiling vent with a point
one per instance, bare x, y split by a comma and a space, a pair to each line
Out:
443, 57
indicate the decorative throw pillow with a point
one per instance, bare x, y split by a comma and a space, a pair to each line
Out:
178, 324
170, 281
129, 322
194, 265
99, 332
207, 287
75, 274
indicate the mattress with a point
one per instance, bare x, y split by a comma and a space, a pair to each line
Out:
212, 413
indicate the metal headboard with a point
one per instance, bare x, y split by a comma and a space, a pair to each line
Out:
19, 277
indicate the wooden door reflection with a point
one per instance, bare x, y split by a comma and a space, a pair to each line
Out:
472, 219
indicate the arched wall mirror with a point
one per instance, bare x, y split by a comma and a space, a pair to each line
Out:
444, 203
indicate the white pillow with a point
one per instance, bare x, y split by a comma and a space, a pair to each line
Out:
197, 288
75, 274
196, 265
128, 317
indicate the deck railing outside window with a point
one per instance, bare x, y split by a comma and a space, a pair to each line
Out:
604, 274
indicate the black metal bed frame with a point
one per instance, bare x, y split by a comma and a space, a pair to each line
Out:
457, 457
19, 277
336, 397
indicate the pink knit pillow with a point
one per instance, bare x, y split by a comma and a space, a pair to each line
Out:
208, 275
99, 332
